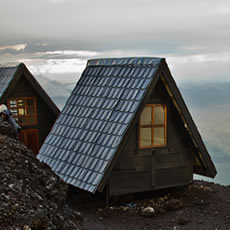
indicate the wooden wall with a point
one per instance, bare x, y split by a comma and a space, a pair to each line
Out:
147, 169
46, 117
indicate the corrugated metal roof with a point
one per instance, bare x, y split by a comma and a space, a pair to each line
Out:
86, 135
7, 72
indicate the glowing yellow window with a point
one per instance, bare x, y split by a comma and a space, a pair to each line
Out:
153, 126
23, 110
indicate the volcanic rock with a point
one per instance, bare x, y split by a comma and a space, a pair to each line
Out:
31, 195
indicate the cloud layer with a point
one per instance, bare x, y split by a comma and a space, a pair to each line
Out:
58, 36
94, 25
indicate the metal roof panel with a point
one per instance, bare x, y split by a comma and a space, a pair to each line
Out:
7, 72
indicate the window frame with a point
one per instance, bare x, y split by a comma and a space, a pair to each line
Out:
152, 126
25, 107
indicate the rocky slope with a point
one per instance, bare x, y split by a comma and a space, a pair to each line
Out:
31, 195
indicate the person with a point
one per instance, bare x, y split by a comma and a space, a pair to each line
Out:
6, 115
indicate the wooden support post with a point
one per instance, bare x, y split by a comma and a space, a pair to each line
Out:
107, 195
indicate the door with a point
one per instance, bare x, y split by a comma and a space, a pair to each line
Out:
30, 139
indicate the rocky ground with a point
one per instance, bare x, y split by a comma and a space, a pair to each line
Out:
200, 206
31, 195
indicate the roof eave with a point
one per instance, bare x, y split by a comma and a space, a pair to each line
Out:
211, 170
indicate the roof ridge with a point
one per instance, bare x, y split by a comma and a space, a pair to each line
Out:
129, 61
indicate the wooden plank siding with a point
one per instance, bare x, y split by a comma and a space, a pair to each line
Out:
125, 182
139, 170
173, 177
45, 117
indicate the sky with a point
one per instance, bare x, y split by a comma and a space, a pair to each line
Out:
55, 38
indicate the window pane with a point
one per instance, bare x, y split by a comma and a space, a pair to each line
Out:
14, 112
159, 115
21, 103
159, 136
146, 116
146, 137
30, 102
13, 103
30, 110
21, 111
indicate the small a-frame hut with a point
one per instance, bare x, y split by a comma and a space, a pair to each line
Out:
29, 104
126, 126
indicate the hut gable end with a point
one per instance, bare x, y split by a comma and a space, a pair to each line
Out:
29, 104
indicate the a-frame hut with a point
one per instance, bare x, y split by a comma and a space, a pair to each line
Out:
29, 104
126, 126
